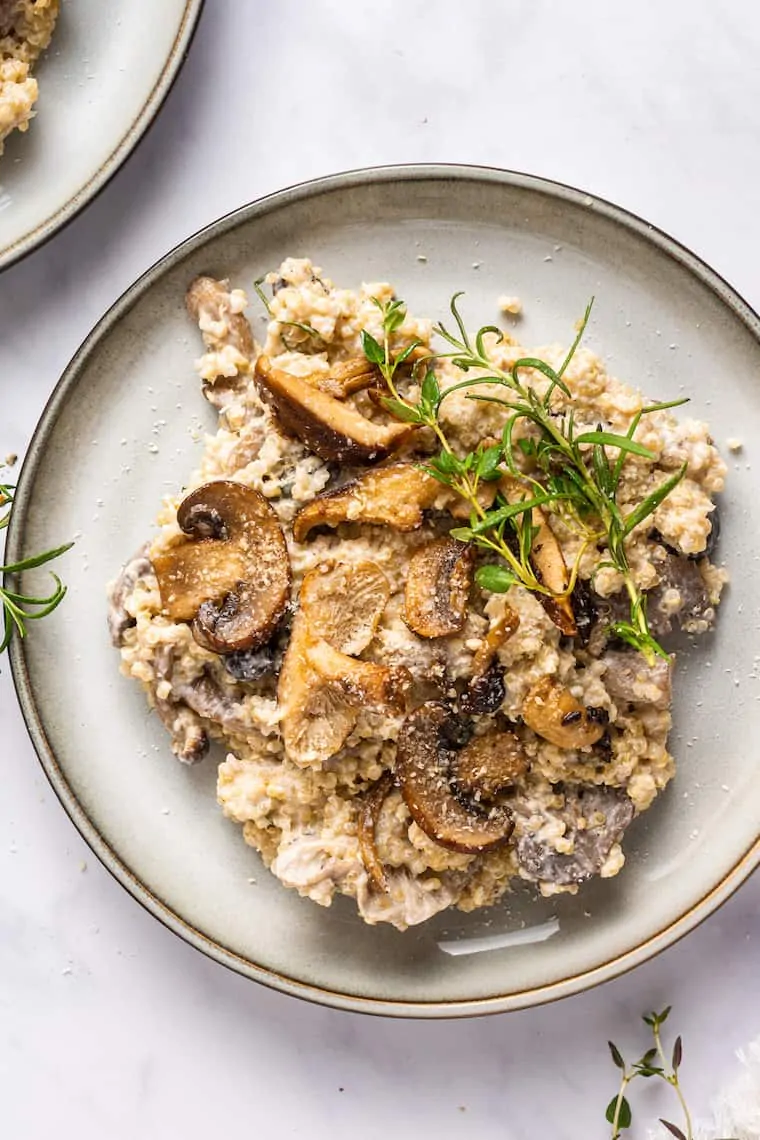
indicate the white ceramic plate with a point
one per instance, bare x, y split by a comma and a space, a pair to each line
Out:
117, 434
103, 79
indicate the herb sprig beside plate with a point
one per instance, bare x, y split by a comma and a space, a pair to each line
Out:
654, 1063
18, 609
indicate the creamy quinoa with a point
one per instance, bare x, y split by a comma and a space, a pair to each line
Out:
26, 28
312, 772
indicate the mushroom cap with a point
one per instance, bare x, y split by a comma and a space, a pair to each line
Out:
232, 580
424, 766
552, 712
490, 763
438, 586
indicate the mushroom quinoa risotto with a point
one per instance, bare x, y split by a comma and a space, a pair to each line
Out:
421, 599
26, 28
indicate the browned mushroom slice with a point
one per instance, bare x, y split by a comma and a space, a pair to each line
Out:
549, 564
333, 430
547, 559
394, 496
224, 329
347, 377
362, 682
232, 580
321, 689
344, 603
489, 764
438, 585
552, 711
321, 692
500, 632
371, 805
423, 768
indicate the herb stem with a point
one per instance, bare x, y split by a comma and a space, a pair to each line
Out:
619, 1103
571, 475
672, 1079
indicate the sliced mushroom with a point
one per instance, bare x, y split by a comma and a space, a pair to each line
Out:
119, 619
360, 682
595, 819
489, 764
438, 584
333, 430
552, 712
344, 603
629, 678
681, 598
225, 331
547, 559
500, 632
424, 769
394, 496
189, 740
209, 700
233, 579
347, 377
371, 805
321, 689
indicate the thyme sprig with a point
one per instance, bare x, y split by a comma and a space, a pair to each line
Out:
18, 609
303, 326
653, 1063
552, 466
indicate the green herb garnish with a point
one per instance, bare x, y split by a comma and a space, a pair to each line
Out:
654, 1063
18, 609
569, 475
302, 325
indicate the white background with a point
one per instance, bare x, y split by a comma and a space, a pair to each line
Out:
110, 1027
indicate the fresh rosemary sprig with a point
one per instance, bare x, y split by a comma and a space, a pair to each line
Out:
17, 608
552, 467
654, 1063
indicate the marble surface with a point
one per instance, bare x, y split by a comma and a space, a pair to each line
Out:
109, 1025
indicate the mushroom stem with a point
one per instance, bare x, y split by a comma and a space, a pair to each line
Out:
371, 805
548, 561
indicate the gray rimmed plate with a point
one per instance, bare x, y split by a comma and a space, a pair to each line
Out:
102, 81
122, 428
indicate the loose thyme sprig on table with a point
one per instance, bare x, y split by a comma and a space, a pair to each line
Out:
654, 1063
18, 609
566, 473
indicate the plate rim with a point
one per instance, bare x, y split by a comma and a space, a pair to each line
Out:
534, 995
40, 234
